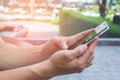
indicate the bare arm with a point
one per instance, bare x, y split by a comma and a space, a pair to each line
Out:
15, 53
23, 73
75, 60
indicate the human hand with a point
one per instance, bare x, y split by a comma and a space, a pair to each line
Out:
62, 62
67, 61
34, 54
75, 60
63, 43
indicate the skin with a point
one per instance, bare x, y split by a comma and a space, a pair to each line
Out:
45, 61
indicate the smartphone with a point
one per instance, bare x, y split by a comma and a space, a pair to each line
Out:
99, 30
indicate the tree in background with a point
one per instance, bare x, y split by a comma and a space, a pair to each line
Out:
102, 7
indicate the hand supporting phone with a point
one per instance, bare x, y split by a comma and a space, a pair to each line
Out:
99, 30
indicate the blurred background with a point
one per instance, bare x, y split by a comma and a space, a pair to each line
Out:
36, 21
70, 16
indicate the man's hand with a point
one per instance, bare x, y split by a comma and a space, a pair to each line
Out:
63, 43
27, 54
75, 60
61, 62
66, 61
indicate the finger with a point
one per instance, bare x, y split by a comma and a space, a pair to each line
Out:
93, 44
75, 40
90, 50
72, 54
90, 59
89, 64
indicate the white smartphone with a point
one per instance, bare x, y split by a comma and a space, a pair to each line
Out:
99, 30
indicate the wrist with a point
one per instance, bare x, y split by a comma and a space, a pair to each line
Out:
45, 70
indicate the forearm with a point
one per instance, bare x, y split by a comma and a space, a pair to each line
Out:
41, 71
16, 53
16, 42
44, 69
23, 56
23, 51
20, 74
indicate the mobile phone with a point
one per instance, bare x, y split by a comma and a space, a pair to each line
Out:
99, 30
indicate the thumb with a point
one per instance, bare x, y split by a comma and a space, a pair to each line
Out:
78, 51
68, 55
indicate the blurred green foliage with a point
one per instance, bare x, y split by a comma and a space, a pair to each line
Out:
118, 6
73, 22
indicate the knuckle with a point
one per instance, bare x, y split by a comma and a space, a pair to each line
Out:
80, 50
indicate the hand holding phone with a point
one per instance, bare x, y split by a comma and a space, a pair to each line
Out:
99, 30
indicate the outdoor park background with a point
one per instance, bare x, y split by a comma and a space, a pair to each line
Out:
43, 19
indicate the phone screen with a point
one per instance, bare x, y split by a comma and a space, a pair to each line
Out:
99, 30
90, 37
